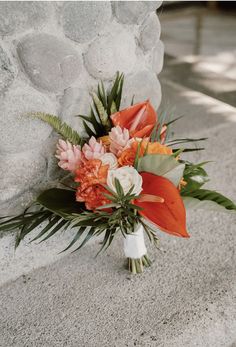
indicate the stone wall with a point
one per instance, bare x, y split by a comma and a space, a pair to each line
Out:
51, 55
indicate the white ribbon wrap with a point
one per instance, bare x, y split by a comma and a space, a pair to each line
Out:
134, 246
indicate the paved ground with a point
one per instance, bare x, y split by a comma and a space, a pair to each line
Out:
187, 298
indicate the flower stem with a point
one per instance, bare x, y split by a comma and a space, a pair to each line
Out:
136, 266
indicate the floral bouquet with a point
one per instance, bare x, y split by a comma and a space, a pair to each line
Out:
126, 176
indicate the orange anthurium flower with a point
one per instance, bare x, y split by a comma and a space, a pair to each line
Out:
139, 119
169, 215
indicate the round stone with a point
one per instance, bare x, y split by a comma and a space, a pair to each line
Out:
16, 16
114, 51
143, 85
150, 32
82, 22
156, 57
19, 131
7, 71
76, 101
134, 12
20, 172
50, 63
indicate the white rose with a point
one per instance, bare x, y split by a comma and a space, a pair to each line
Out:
109, 159
128, 177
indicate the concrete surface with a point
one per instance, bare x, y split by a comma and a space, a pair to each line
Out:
187, 298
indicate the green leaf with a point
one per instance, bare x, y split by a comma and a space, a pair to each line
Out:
75, 239
173, 120
86, 239
50, 224
113, 107
88, 130
204, 198
57, 227
119, 189
136, 160
60, 201
60, 127
162, 165
195, 176
101, 110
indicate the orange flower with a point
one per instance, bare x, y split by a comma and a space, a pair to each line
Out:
139, 119
169, 215
127, 157
105, 141
157, 148
93, 196
91, 175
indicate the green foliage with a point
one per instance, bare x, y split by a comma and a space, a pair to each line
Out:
162, 165
60, 201
209, 196
105, 103
195, 176
59, 210
60, 127
184, 140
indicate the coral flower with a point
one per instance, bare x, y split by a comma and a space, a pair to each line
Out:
93, 196
69, 155
127, 157
139, 119
94, 149
91, 175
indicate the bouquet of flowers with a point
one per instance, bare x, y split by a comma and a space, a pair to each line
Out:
126, 176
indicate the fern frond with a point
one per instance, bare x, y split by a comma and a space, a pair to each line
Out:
60, 127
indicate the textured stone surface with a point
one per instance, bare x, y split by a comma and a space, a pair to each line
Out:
7, 71
156, 57
144, 85
50, 63
150, 32
111, 53
133, 12
18, 131
58, 51
20, 172
74, 102
82, 21
19, 15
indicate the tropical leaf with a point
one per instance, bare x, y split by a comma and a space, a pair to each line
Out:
115, 93
162, 165
60, 201
77, 236
184, 140
195, 176
60, 127
192, 199
102, 113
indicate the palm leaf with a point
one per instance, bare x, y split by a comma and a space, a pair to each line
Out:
211, 195
60, 127
75, 239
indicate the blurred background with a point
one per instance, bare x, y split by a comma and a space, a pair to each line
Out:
200, 46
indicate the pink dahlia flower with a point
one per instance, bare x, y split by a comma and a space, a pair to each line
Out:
69, 155
119, 139
94, 149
